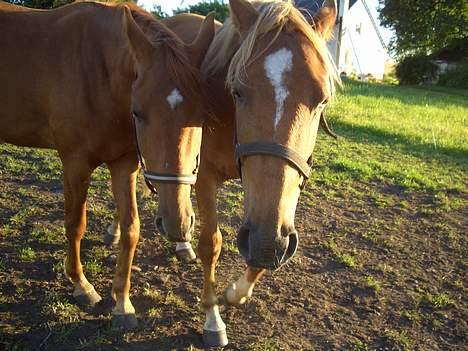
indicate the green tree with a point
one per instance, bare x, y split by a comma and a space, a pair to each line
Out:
41, 4
205, 7
158, 12
424, 26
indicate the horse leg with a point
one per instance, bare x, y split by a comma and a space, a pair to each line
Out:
185, 253
124, 173
237, 293
112, 236
76, 182
209, 248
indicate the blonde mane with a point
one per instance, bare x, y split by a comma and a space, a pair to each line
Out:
273, 16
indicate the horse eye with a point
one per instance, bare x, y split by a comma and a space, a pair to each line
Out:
236, 95
137, 116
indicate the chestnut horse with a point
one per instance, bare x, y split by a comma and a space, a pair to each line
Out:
269, 75
70, 79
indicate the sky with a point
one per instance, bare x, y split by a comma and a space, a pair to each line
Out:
166, 5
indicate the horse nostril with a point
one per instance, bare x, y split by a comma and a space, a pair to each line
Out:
293, 243
158, 222
243, 241
192, 223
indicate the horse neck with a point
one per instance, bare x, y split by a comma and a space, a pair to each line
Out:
222, 102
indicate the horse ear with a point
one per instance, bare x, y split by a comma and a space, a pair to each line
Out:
140, 45
199, 47
243, 15
324, 20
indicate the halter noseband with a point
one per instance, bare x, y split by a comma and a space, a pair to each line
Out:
275, 150
163, 178
279, 151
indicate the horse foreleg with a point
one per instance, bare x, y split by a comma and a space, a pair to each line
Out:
237, 293
185, 253
112, 236
77, 173
209, 248
124, 173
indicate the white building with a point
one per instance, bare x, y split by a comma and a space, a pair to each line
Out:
362, 49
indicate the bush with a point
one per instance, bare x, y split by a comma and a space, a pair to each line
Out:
457, 78
416, 69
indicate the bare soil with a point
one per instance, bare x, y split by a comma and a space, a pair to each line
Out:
379, 268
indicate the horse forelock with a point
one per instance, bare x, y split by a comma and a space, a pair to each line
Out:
186, 76
227, 49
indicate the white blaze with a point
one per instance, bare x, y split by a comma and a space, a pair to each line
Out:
174, 98
276, 66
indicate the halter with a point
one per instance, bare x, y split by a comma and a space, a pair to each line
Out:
163, 178
293, 158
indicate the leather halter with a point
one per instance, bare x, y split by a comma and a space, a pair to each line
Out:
277, 150
163, 178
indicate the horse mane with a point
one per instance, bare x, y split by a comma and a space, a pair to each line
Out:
227, 49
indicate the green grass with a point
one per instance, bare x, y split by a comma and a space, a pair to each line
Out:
60, 309
372, 283
404, 136
441, 300
398, 339
27, 254
344, 258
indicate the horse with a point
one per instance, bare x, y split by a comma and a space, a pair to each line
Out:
73, 79
269, 76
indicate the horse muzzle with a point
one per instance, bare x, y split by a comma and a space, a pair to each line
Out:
175, 230
265, 251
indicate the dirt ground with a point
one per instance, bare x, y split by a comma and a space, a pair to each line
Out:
378, 268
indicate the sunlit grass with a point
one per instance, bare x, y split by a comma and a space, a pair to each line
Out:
402, 136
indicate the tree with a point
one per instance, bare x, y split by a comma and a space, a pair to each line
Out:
40, 4
46, 4
424, 27
205, 7
158, 12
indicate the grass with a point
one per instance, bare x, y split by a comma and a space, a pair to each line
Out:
344, 258
409, 137
360, 346
27, 254
265, 345
441, 300
398, 339
45, 235
93, 266
372, 283
60, 309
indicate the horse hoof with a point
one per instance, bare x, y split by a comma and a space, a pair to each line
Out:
125, 322
215, 338
186, 256
111, 240
88, 300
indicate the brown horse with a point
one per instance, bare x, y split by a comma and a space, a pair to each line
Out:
70, 79
270, 76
